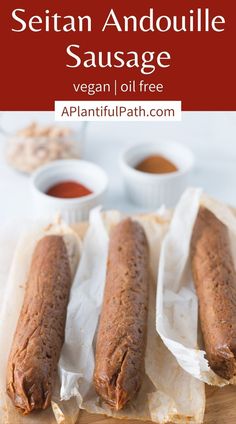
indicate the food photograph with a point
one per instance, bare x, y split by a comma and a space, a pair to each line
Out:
117, 270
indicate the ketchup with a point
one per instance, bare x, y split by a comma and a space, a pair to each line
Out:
68, 190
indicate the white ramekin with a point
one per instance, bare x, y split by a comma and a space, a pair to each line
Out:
153, 190
71, 210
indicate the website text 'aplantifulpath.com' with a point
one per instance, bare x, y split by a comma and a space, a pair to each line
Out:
118, 110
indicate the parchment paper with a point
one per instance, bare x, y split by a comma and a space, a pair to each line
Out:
12, 293
177, 303
168, 393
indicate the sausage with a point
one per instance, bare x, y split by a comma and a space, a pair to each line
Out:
32, 364
215, 279
121, 337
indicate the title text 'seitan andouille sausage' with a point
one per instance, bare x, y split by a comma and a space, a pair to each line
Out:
39, 335
215, 280
121, 337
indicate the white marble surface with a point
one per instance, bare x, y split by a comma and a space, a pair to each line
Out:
211, 136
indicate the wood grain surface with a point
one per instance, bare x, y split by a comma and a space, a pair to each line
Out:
220, 409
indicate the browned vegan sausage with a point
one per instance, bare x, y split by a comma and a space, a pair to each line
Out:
215, 279
39, 335
121, 337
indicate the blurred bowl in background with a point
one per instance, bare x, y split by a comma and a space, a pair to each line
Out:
34, 139
71, 209
151, 190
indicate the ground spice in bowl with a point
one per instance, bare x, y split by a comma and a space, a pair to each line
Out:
156, 164
68, 190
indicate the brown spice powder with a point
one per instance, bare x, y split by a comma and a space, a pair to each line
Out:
156, 165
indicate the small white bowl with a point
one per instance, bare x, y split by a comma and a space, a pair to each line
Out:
71, 210
153, 190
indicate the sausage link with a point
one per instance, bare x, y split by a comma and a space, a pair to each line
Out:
121, 337
32, 364
215, 279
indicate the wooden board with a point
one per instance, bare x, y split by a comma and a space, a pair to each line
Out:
220, 402
220, 409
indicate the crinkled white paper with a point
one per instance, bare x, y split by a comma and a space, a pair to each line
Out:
168, 393
177, 303
12, 294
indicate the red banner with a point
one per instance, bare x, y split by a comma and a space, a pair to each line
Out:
106, 51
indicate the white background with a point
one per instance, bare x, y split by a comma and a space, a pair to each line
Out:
211, 136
